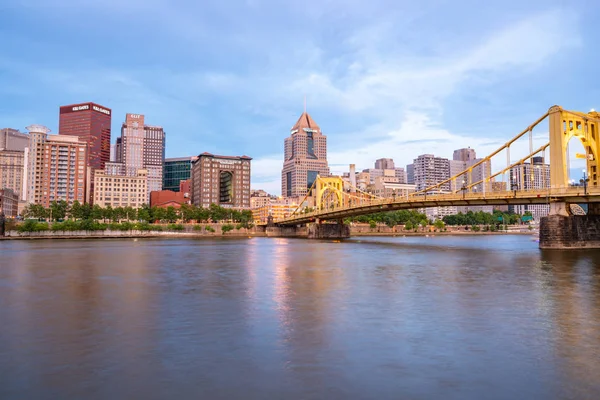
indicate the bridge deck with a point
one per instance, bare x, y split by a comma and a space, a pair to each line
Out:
538, 196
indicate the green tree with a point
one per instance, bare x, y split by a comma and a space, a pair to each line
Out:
130, 213
187, 212
118, 214
86, 211
439, 224
76, 211
158, 214
97, 212
372, 224
58, 210
408, 226
144, 214
171, 214
108, 213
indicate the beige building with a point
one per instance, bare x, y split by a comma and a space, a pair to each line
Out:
11, 170
277, 208
55, 167
221, 180
385, 187
9, 203
121, 190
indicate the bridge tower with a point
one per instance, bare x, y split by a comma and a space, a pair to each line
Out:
329, 192
565, 125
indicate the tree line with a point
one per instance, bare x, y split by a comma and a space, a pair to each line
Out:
61, 210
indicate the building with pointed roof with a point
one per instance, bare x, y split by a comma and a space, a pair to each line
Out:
305, 157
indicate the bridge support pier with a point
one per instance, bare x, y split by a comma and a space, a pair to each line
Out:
329, 231
560, 231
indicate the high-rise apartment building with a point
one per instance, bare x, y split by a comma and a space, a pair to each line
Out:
91, 123
462, 160
142, 147
430, 170
56, 167
176, 170
384, 163
531, 176
221, 180
121, 190
305, 157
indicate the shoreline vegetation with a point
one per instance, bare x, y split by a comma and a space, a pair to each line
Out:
61, 220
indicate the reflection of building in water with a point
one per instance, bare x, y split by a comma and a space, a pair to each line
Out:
571, 285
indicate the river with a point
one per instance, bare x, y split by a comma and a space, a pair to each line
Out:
452, 317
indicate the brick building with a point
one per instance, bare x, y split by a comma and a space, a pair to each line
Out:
221, 180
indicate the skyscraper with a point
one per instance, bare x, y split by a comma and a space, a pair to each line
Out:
305, 157
142, 147
91, 123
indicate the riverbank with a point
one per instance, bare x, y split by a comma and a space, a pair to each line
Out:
215, 230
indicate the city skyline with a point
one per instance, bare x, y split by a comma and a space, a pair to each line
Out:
378, 80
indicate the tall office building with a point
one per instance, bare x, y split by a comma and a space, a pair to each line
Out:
176, 170
91, 123
142, 147
221, 180
531, 176
56, 167
384, 163
305, 157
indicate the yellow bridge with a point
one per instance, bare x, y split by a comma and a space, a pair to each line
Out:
332, 202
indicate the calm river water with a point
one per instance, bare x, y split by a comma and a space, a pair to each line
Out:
468, 317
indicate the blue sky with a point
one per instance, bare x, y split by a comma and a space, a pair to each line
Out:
382, 78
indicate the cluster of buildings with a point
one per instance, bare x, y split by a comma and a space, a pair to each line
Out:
81, 164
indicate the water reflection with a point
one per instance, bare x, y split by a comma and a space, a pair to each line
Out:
441, 317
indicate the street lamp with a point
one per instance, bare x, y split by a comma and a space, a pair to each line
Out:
584, 182
463, 188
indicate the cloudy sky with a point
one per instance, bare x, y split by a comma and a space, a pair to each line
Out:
382, 78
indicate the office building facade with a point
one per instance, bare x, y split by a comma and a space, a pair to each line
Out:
176, 170
121, 190
221, 180
430, 170
91, 123
142, 146
305, 157
384, 163
9, 203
